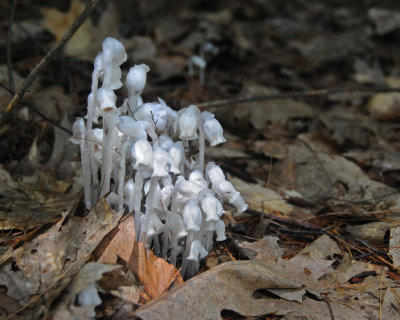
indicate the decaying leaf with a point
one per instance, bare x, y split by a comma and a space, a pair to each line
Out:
33, 201
257, 196
46, 264
266, 248
86, 41
229, 286
128, 293
156, 274
119, 243
318, 175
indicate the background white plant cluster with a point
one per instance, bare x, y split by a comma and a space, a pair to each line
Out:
138, 156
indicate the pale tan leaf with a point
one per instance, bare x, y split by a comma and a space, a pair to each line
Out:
119, 243
156, 274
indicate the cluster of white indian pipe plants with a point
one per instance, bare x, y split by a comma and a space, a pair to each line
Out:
140, 156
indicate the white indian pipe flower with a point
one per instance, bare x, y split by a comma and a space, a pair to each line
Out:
78, 131
197, 177
161, 161
220, 230
212, 208
212, 129
197, 251
164, 142
136, 79
192, 215
188, 122
132, 128
214, 172
187, 188
238, 202
177, 154
106, 99
142, 152
112, 57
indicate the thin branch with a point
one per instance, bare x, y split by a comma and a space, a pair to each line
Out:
53, 51
32, 107
8, 46
296, 94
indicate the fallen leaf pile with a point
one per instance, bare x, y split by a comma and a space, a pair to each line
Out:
308, 96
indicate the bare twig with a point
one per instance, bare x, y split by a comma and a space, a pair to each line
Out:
8, 46
296, 94
53, 51
32, 107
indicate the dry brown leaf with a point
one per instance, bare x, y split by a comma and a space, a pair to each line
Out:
266, 248
318, 175
86, 42
321, 248
56, 254
257, 196
128, 293
33, 201
155, 273
119, 242
229, 286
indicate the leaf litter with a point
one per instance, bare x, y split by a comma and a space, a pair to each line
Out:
320, 173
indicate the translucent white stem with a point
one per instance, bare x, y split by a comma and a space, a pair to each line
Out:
202, 145
137, 202
121, 177
107, 165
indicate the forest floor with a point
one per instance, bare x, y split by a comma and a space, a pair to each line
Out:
308, 93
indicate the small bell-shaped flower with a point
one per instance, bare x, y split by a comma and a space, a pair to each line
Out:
212, 129
164, 142
188, 122
211, 207
177, 154
136, 79
187, 188
197, 251
106, 99
132, 128
237, 201
192, 215
143, 153
220, 230
197, 177
161, 161
113, 56
214, 172
78, 131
